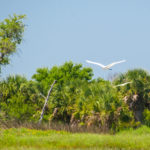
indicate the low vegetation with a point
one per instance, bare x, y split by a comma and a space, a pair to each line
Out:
31, 139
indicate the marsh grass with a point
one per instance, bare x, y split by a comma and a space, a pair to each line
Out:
32, 139
52, 126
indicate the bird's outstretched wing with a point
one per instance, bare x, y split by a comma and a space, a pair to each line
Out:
114, 63
101, 65
123, 84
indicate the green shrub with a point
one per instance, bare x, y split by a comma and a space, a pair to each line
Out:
146, 115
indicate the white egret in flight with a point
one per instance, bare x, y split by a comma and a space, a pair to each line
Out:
108, 67
123, 84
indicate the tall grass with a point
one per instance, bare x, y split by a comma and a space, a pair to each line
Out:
51, 126
23, 138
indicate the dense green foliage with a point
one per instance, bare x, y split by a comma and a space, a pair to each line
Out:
11, 32
77, 99
137, 94
22, 138
19, 99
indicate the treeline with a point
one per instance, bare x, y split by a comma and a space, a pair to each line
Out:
77, 99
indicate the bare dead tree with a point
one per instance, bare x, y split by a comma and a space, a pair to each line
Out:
46, 100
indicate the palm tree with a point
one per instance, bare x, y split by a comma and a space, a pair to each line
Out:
19, 98
136, 95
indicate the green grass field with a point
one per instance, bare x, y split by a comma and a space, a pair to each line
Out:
22, 138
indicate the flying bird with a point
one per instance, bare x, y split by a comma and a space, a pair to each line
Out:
108, 67
123, 84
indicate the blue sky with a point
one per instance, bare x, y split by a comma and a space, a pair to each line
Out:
62, 30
